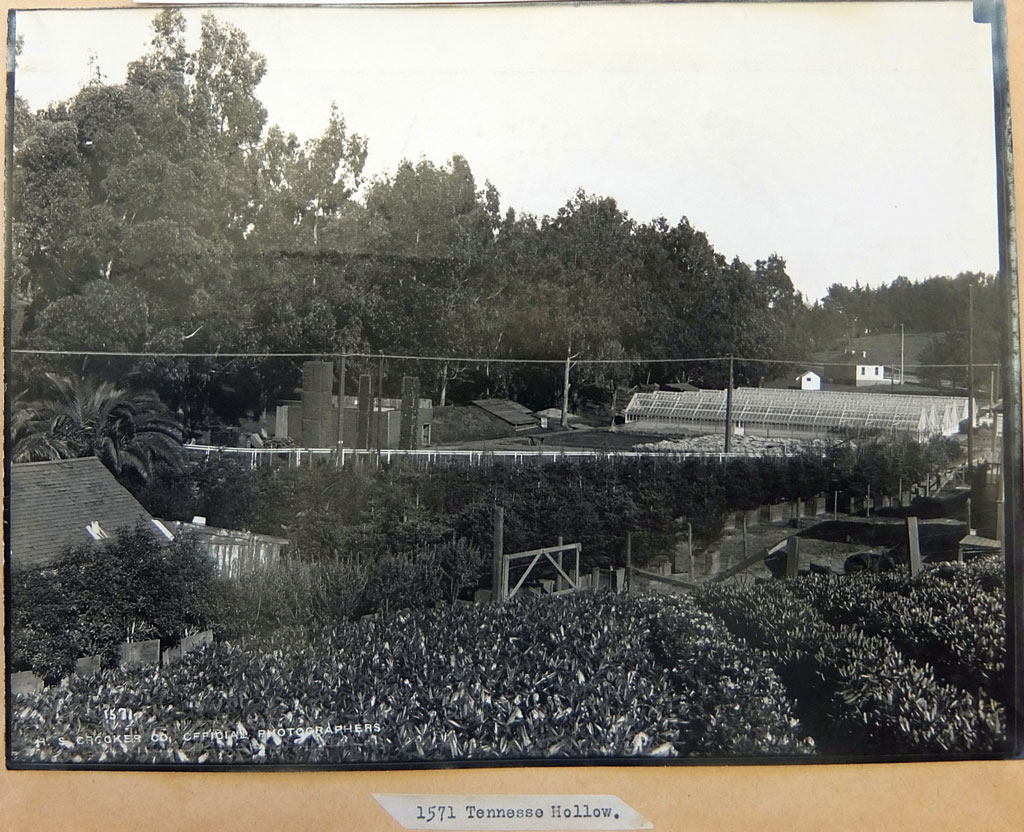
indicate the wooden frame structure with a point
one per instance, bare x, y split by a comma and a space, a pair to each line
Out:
536, 554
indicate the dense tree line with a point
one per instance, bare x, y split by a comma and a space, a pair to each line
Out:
164, 214
933, 305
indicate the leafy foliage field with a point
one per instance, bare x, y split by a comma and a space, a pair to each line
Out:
569, 677
785, 668
885, 664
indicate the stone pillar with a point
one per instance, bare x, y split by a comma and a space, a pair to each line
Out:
409, 428
317, 409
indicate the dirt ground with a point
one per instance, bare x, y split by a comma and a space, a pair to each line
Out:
729, 551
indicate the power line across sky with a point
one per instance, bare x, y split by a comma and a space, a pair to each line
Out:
467, 359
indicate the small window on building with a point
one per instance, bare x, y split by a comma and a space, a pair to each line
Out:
863, 371
876, 371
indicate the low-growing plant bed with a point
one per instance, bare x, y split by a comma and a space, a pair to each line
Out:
883, 665
735, 671
569, 677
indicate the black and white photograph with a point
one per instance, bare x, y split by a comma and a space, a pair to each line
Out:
480, 385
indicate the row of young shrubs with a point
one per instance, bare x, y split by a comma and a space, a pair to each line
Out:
858, 660
361, 513
583, 676
731, 699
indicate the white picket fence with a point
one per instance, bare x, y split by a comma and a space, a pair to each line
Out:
297, 457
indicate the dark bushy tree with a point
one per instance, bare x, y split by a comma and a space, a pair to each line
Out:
98, 595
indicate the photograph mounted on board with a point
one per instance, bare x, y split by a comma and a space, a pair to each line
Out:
480, 385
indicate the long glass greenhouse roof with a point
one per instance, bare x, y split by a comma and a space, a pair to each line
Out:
812, 410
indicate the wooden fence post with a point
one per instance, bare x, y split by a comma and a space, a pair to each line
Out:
576, 573
498, 557
559, 580
915, 547
629, 562
689, 546
793, 557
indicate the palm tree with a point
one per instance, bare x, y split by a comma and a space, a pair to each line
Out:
130, 432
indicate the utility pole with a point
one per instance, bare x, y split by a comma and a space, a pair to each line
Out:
901, 352
728, 410
970, 377
565, 386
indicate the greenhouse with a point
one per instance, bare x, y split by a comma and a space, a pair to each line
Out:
795, 413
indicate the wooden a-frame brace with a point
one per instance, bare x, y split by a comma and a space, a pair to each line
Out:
536, 555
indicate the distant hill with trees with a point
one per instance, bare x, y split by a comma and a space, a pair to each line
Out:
934, 318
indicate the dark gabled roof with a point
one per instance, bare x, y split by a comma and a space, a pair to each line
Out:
53, 502
512, 412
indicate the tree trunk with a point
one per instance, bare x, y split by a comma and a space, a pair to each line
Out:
444, 384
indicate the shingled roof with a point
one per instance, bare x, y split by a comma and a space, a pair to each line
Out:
52, 503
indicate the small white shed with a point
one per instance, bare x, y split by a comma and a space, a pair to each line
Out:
809, 380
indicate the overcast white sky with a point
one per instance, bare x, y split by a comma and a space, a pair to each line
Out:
856, 140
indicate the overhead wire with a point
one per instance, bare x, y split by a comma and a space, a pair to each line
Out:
323, 354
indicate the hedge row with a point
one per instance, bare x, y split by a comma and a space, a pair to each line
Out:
359, 513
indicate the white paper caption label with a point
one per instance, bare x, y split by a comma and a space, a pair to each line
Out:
511, 811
